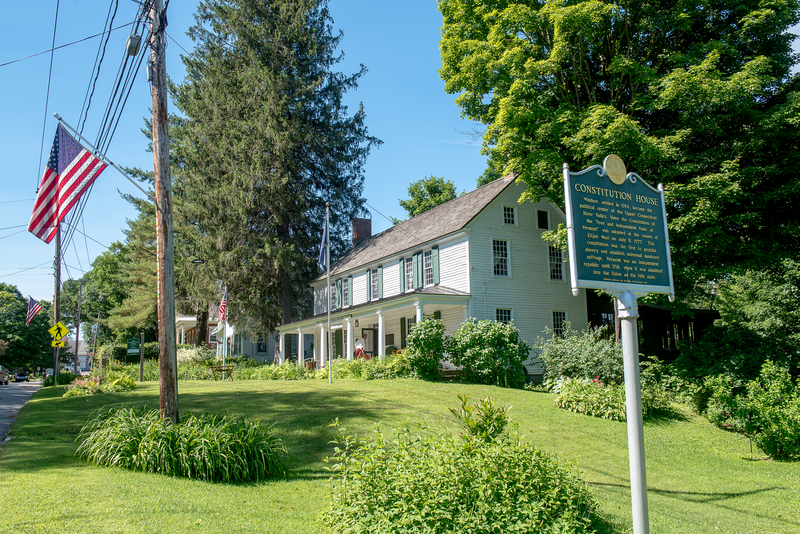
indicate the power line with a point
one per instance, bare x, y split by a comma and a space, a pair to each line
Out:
28, 269
23, 200
47, 98
64, 45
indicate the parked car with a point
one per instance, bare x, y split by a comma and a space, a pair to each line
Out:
22, 376
3, 377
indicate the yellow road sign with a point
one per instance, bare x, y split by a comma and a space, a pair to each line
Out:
58, 330
55, 343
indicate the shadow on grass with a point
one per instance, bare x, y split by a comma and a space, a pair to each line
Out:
665, 417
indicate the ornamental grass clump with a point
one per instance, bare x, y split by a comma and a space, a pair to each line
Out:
201, 447
422, 481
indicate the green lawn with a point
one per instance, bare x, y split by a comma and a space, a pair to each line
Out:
700, 479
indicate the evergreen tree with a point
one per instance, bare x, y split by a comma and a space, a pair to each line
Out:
692, 94
265, 143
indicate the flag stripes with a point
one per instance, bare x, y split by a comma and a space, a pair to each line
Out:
70, 171
33, 308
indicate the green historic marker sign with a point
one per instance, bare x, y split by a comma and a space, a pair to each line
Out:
133, 346
617, 228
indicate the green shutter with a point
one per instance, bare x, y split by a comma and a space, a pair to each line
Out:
369, 284
380, 281
402, 332
339, 293
337, 339
402, 275
435, 262
349, 290
418, 270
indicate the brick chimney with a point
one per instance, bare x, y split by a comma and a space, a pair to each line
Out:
362, 229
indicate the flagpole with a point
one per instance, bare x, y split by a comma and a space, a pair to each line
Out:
328, 267
224, 331
100, 156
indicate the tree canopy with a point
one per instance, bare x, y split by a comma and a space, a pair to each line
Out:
427, 193
264, 142
25, 346
692, 94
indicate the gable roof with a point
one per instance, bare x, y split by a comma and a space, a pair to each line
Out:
433, 224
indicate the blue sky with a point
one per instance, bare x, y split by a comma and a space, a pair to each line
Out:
404, 98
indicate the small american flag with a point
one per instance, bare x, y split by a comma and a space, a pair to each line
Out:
223, 306
33, 308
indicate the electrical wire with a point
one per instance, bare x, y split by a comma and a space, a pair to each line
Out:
47, 97
98, 63
28, 269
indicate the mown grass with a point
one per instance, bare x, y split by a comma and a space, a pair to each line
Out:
700, 478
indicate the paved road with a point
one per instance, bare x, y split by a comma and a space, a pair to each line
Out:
12, 398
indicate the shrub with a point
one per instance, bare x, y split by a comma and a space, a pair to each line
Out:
205, 447
94, 387
422, 481
768, 411
194, 354
396, 366
592, 397
484, 421
64, 377
425, 347
582, 355
489, 352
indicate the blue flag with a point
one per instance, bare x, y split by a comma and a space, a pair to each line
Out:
323, 247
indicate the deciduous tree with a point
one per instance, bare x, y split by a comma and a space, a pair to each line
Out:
692, 94
427, 193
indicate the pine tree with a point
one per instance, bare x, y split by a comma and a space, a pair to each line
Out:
266, 141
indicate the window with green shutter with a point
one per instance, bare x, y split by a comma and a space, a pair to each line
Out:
349, 290
379, 273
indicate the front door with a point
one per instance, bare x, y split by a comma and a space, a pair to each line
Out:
372, 341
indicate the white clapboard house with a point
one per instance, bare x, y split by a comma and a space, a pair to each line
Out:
480, 255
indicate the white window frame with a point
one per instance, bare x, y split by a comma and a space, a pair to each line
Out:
549, 225
373, 284
344, 293
510, 314
409, 274
507, 258
561, 329
427, 268
551, 264
513, 215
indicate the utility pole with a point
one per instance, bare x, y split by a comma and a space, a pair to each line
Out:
78, 327
167, 358
57, 301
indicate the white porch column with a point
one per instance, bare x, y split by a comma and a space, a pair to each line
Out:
381, 336
183, 334
419, 312
301, 349
323, 354
281, 341
349, 344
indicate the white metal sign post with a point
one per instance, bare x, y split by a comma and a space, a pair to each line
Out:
619, 242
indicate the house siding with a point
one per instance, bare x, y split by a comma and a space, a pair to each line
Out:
454, 265
391, 278
528, 290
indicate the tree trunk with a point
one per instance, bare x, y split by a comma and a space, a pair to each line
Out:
201, 328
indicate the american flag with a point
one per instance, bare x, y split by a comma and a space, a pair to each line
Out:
323, 247
33, 308
223, 306
70, 171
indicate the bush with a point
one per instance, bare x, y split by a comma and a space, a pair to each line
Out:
395, 366
585, 355
64, 377
205, 447
425, 348
422, 481
592, 397
193, 354
768, 411
92, 387
489, 352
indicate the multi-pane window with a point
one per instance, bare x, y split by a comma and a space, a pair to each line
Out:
509, 217
556, 263
373, 281
261, 345
500, 257
559, 323
410, 322
503, 315
409, 275
345, 293
332, 291
428, 268
542, 220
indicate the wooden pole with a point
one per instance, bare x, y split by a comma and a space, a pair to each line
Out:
167, 358
78, 327
57, 300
